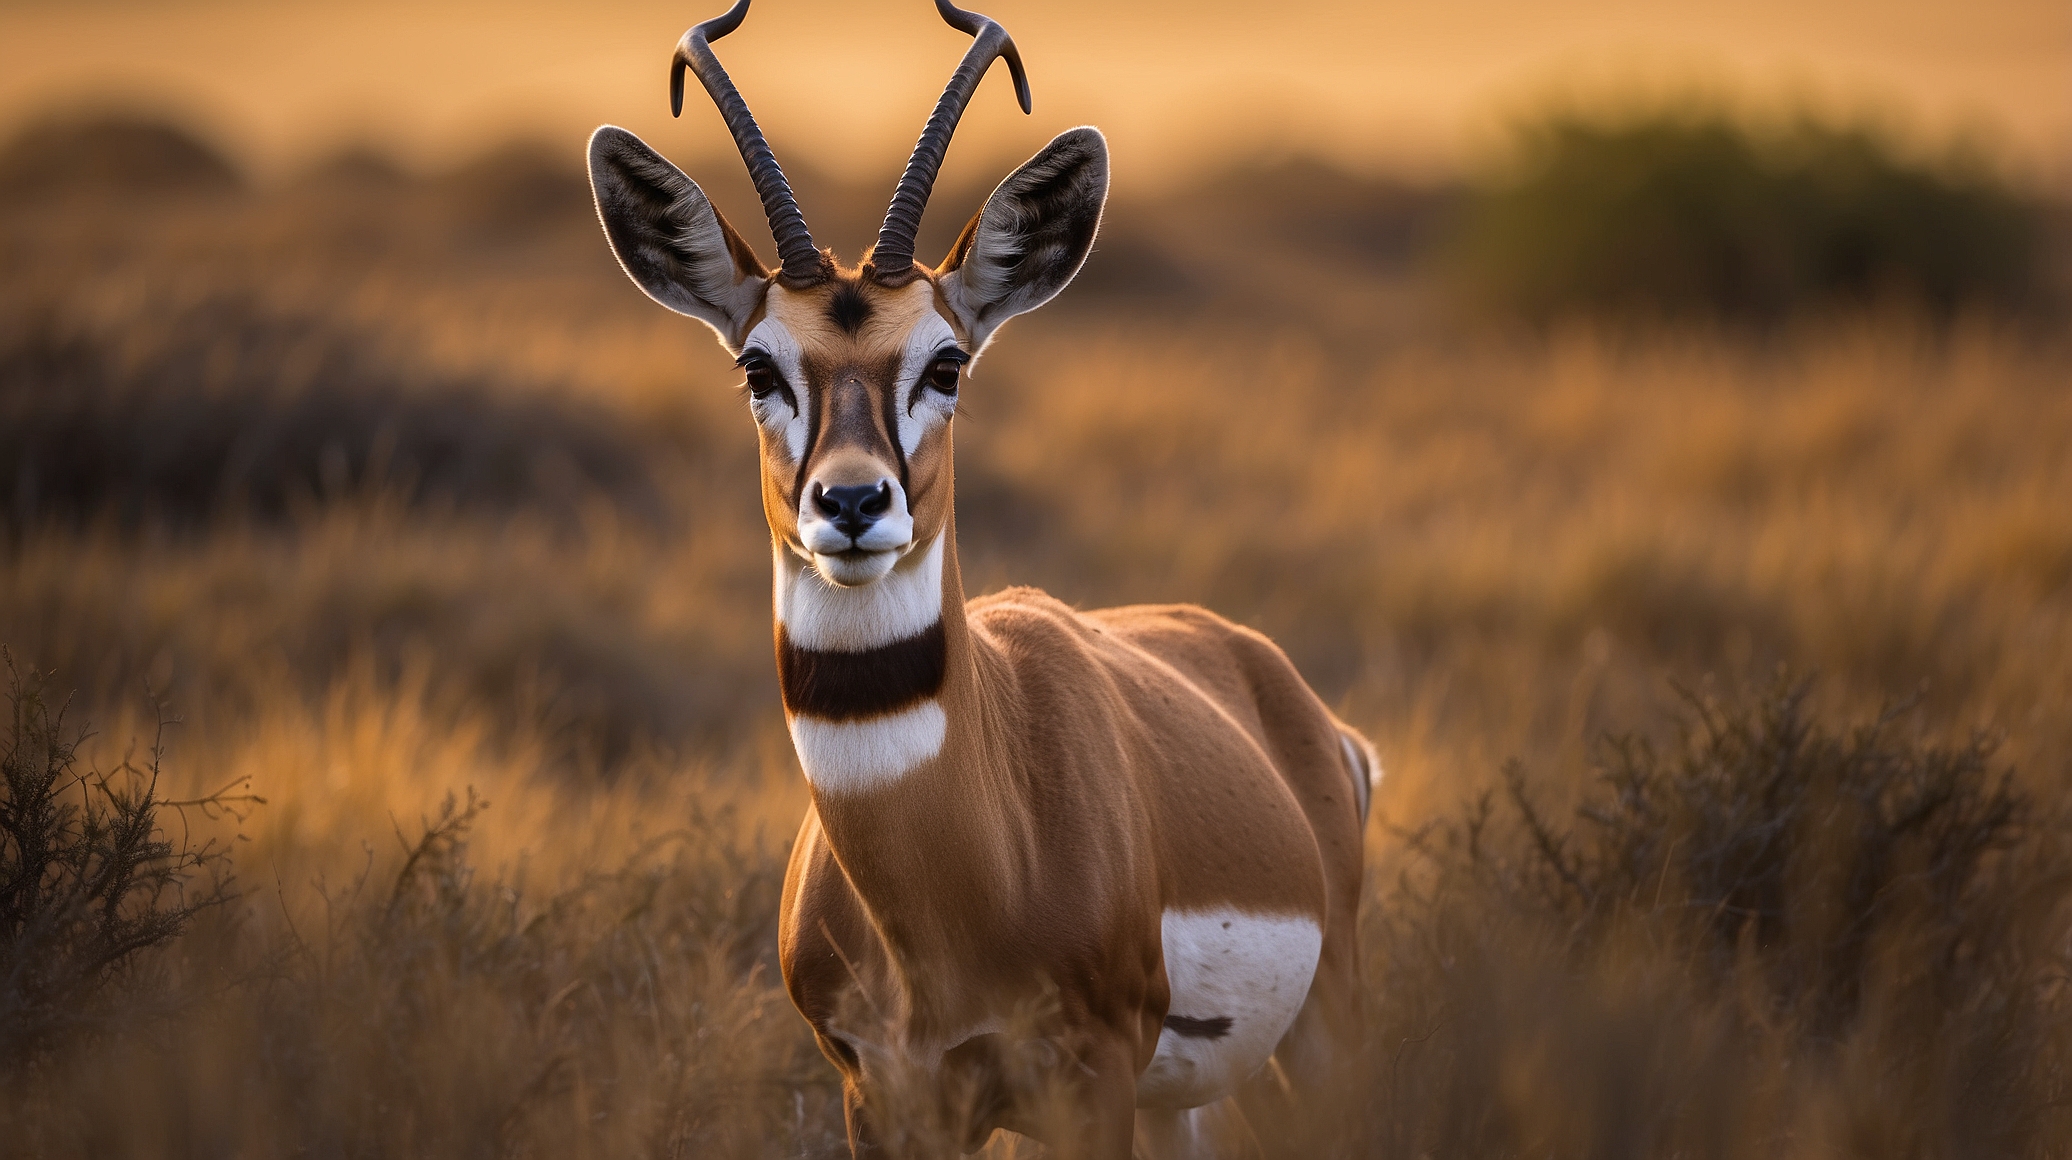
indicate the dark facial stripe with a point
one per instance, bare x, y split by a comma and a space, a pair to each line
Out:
818, 401
1215, 1028
891, 404
847, 686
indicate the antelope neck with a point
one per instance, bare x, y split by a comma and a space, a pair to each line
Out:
882, 693
869, 674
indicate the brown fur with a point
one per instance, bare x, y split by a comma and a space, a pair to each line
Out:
1098, 769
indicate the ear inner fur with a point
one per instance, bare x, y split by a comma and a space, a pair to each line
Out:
670, 239
1032, 235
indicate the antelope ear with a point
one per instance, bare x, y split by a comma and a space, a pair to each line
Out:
670, 239
1032, 235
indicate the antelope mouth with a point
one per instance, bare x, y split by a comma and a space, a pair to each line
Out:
855, 567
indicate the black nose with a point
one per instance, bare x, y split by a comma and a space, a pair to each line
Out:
853, 509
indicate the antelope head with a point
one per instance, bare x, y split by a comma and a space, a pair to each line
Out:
852, 374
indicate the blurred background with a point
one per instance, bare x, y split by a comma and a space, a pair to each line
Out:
1669, 465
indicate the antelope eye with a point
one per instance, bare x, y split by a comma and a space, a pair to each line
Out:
942, 374
762, 378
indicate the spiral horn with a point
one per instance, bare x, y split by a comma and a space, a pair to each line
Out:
892, 260
801, 260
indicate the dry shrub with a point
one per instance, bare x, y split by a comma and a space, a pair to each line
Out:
180, 412
111, 155
90, 879
1768, 938
614, 993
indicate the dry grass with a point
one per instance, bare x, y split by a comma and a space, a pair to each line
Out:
493, 537
1766, 938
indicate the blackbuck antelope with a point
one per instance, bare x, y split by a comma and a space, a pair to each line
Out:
1138, 824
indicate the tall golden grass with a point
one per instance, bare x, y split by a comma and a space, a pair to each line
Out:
484, 620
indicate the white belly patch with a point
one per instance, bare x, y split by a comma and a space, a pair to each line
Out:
1237, 981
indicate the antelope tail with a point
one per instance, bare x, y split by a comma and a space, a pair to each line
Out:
1362, 765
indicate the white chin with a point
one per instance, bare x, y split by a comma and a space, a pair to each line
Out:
854, 569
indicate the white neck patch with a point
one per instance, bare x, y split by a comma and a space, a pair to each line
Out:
847, 756
819, 615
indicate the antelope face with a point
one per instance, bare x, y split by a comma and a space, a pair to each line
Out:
853, 386
852, 375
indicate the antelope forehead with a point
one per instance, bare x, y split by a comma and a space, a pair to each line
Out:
858, 321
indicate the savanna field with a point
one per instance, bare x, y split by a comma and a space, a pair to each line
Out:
1712, 617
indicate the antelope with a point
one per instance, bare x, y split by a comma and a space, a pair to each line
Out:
1139, 823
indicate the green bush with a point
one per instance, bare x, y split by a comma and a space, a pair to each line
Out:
1695, 214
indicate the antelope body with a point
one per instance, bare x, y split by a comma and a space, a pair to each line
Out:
1075, 874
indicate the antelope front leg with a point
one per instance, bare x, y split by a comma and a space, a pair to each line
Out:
863, 1138
915, 1120
1105, 1124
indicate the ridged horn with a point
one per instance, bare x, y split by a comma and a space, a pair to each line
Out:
893, 258
795, 250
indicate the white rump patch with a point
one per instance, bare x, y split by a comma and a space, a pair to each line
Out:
845, 756
819, 615
1253, 970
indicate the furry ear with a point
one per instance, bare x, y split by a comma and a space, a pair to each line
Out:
670, 239
1032, 236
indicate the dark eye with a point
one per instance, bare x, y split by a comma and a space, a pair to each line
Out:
762, 377
942, 374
